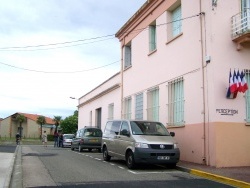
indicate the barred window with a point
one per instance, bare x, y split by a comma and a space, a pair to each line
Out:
153, 104
111, 111
247, 76
139, 106
176, 102
127, 108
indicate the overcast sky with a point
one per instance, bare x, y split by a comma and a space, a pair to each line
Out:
51, 50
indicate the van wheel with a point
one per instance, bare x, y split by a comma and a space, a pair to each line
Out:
130, 161
106, 156
79, 148
90, 149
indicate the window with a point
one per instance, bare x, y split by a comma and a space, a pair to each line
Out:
153, 104
139, 106
152, 37
111, 111
245, 15
127, 55
176, 102
247, 76
176, 22
90, 118
127, 108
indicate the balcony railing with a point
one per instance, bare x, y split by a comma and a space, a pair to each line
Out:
241, 27
241, 23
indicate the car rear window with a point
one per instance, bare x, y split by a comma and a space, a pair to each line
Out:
93, 133
68, 136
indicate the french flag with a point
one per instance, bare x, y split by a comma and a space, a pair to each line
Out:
244, 84
231, 91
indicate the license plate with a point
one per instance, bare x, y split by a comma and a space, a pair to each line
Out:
163, 157
93, 140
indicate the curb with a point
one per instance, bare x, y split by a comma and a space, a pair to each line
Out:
9, 173
215, 177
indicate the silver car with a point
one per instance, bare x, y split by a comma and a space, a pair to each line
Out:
87, 138
139, 142
67, 139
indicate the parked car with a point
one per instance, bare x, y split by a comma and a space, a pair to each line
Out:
67, 139
139, 142
87, 138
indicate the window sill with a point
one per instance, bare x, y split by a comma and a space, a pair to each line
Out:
152, 52
128, 67
174, 38
175, 126
247, 124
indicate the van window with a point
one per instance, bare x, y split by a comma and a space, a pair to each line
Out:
124, 126
112, 127
148, 128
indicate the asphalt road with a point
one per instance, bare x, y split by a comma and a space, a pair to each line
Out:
50, 167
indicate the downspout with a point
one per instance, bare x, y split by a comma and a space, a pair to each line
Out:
122, 45
204, 159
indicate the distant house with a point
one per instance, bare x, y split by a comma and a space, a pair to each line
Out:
30, 129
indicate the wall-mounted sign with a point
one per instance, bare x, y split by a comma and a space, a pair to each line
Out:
228, 112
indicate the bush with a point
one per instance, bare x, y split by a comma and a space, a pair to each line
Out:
50, 137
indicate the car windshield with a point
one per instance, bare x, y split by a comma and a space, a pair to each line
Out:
93, 133
148, 128
68, 136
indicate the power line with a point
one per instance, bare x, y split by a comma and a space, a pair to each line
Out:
58, 72
94, 38
59, 47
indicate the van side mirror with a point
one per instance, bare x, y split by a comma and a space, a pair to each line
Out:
125, 132
172, 134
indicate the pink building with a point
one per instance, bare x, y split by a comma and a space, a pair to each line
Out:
177, 56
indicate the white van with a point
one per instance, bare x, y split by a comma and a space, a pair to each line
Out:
139, 142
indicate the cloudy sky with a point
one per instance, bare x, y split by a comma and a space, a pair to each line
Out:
51, 50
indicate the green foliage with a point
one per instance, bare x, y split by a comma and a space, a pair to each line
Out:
41, 121
70, 124
57, 120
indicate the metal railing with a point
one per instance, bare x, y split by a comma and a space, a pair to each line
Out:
241, 23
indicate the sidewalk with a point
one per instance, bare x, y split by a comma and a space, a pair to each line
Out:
235, 176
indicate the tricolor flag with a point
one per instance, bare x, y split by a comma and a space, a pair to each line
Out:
230, 94
244, 84
234, 84
239, 81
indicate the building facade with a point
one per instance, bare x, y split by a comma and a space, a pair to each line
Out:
29, 129
177, 58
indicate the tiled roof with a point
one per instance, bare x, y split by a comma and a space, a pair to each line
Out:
35, 116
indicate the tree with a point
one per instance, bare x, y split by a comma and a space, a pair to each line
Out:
41, 121
20, 118
70, 124
57, 120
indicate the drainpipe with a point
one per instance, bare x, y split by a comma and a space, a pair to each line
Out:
204, 158
122, 45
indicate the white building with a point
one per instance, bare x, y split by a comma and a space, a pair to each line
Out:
176, 59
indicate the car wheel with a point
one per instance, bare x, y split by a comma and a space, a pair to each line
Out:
79, 148
72, 148
130, 161
90, 149
106, 156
